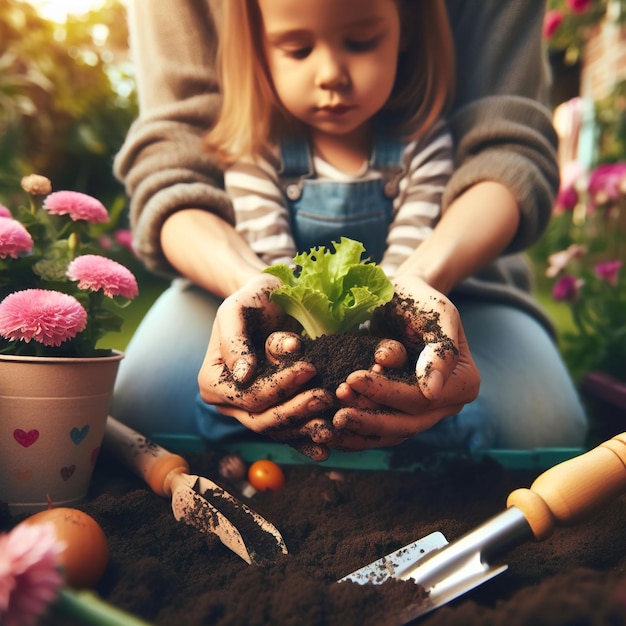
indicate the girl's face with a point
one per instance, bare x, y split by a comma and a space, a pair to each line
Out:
332, 63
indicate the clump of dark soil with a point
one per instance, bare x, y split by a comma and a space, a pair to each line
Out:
334, 522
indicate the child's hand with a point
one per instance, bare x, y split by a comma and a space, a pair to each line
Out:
271, 405
381, 412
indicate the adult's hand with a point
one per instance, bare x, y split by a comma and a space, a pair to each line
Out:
381, 411
276, 405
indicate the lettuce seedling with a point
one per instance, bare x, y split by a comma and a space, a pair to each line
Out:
331, 292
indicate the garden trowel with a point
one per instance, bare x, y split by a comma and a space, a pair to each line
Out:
563, 495
196, 500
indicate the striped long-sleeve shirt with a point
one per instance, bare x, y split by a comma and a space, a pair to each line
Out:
262, 215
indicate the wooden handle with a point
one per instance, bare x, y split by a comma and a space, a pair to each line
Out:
573, 490
144, 457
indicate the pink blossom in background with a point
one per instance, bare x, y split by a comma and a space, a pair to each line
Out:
29, 573
551, 21
124, 237
579, 6
106, 243
14, 238
79, 206
609, 271
48, 317
94, 272
4, 212
567, 288
604, 182
566, 200
558, 261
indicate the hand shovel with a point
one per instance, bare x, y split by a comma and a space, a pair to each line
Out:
196, 500
563, 495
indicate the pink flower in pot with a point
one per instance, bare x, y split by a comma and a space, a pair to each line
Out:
79, 206
14, 238
55, 293
48, 317
95, 272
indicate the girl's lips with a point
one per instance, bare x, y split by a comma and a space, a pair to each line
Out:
337, 109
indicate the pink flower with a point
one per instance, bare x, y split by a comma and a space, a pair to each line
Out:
48, 317
558, 261
97, 272
566, 200
604, 182
579, 6
29, 573
79, 206
567, 288
124, 237
551, 21
609, 271
14, 238
4, 212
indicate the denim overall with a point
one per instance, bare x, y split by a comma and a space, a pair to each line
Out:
322, 211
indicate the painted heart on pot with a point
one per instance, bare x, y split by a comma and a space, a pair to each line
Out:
66, 472
78, 434
22, 476
25, 438
94, 455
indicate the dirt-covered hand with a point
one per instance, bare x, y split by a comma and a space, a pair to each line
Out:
380, 411
274, 404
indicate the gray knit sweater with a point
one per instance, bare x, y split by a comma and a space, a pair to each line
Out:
500, 123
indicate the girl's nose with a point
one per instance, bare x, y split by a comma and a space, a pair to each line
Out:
331, 72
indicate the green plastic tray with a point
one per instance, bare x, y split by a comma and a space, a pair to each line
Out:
538, 459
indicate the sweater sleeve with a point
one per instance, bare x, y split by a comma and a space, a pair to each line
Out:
500, 122
161, 163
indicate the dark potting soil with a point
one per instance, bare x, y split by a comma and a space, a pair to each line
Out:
334, 522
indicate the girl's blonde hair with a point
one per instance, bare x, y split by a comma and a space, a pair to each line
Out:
251, 114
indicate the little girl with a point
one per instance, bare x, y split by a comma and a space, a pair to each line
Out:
331, 123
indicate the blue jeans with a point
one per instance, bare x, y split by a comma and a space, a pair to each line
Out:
526, 399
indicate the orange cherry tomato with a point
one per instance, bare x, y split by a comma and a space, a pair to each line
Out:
265, 474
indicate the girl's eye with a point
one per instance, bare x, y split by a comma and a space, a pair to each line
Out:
298, 53
364, 45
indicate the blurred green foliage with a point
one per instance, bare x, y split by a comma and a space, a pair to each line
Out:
67, 98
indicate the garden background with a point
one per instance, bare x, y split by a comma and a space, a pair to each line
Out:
67, 97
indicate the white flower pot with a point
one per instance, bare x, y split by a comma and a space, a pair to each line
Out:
53, 412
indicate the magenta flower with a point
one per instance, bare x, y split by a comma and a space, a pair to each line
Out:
14, 238
609, 271
566, 200
551, 22
4, 212
97, 272
567, 288
579, 6
48, 317
604, 182
79, 206
30, 575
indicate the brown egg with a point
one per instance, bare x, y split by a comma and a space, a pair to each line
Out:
86, 552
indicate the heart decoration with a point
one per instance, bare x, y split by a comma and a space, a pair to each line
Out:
23, 476
25, 438
78, 434
66, 472
94, 455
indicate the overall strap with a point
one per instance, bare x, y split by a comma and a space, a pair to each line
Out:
296, 164
387, 156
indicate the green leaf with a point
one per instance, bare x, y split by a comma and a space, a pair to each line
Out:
331, 291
